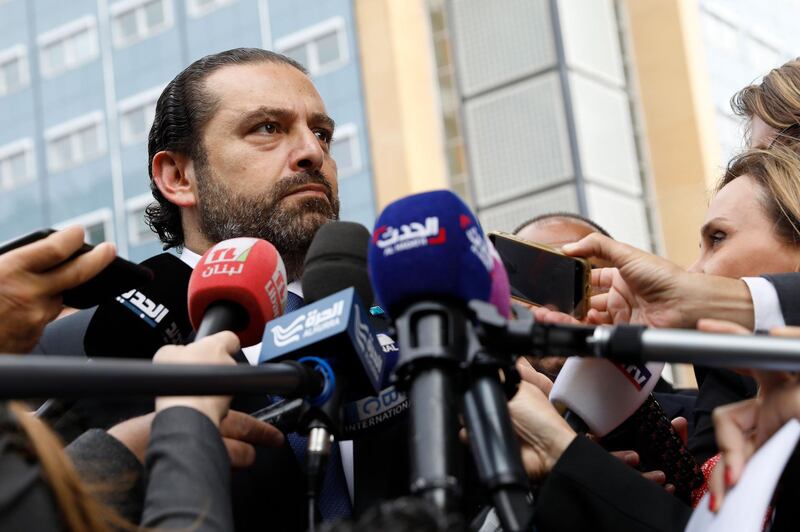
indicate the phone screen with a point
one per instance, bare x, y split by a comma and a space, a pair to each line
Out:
543, 277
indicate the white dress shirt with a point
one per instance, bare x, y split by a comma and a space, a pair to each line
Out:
766, 305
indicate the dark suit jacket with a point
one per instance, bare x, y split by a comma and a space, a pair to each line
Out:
270, 492
588, 489
788, 287
718, 387
187, 469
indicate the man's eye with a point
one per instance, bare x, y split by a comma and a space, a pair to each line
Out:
324, 136
268, 128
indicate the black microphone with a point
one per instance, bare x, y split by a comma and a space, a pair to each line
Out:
138, 322
334, 325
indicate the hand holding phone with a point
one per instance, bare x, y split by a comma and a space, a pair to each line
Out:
542, 276
32, 278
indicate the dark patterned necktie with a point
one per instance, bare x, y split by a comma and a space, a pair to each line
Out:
334, 498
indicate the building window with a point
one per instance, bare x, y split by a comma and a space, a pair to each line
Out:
138, 230
199, 8
136, 115
68, 46
320, 48
345, 150
97, 226
75, 142
16, 164
13, 69
136, 20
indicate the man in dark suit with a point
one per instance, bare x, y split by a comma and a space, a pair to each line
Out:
240, 146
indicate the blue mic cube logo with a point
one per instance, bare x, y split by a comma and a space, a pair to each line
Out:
330, 327
638, 374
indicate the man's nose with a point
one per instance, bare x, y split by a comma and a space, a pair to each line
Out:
307, 153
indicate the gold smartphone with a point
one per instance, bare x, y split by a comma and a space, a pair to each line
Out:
543, 276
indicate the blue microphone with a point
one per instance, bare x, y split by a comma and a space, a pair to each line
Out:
428, 259
429, 246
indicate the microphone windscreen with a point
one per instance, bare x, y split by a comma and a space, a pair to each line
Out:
603, 393
429, 246
500, 295
337, 259
137, 323
247, 272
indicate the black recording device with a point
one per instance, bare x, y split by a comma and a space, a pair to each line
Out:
543, 276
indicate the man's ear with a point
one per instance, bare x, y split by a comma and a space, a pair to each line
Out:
173, 174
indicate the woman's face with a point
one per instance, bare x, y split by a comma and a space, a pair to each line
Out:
738, 239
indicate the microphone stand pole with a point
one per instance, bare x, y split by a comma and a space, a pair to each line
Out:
32, 376
431, 338
494, 444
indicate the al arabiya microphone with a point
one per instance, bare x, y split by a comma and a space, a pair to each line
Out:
239, 285
428, 259
337, 260
335, 322
335, 330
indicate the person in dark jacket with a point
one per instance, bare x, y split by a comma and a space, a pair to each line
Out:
187, 469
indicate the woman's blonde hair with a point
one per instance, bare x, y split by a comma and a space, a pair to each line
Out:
777, 172
776, 101
79, 509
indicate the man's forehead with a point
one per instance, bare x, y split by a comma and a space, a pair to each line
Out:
267, 84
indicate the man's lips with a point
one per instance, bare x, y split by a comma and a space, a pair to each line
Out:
309, 190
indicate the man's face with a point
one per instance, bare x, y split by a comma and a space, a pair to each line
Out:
267, 170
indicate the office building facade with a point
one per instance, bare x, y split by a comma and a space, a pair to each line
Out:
78, 85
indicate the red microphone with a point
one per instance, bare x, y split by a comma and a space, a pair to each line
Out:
238, 285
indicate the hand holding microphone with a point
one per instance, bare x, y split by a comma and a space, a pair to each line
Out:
32, 279
214, 349
543, 432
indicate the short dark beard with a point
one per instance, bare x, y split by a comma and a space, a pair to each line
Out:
225, 214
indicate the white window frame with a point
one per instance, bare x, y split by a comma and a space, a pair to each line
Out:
71, 126
103, 216
126, 6
350, 131
142, 99
25, 146
70, 29
307, 38
132, 206
193, 9
16, 53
